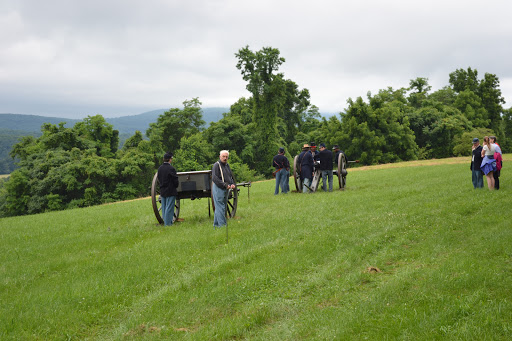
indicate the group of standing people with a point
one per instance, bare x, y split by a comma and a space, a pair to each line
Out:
308, 159
486, 160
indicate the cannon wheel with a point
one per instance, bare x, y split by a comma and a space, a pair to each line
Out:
296, 174
342, 171
232, 202
156, 200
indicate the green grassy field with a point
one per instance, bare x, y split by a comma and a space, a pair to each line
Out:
408, 251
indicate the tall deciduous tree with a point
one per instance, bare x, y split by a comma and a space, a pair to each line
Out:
268, 88
489, 110
492, 100
175, 124
95, 128
228, 133
506, 142
74, 167
419, 88
294, 110
378, 132
194, 154
461, 80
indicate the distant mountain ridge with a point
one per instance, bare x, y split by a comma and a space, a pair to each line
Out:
30, 123
14, 126
125, 124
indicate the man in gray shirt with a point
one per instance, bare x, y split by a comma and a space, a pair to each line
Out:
223, 180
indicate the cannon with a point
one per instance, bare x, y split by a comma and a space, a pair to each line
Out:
340, 172
194, 185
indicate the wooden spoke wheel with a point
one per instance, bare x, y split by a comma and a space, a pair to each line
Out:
296, 174
156, 200
342, 171
232, 202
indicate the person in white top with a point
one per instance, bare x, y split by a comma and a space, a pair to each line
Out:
488, 163
499, 162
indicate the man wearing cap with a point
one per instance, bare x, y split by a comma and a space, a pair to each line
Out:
325, 157
223, 181
337, 153
306, 168
314, 152
282, 165
476, 161
169, 183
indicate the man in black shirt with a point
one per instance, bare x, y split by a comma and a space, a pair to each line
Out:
325, 157
169, 183
476, 162
314, 152
282, 165
337, 152
306, 168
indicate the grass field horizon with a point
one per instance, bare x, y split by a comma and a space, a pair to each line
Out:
407, 251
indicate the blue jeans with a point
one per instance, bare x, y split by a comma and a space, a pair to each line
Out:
478, 178
326, 174
305, 182
281, 181
168, 209
287, 181
220, 199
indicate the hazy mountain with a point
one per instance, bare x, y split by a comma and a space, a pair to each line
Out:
30, 123
125, 124
14, 126
129, 124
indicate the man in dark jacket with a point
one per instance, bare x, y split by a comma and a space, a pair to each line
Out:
282, 165
306, 168
314, 152
169, 183
325, 157
337, 153
476, 161
223, 181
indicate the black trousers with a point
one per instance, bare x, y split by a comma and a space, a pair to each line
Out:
496, 176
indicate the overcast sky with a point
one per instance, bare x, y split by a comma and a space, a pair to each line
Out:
70, 58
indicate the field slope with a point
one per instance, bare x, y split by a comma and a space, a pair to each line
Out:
404, 253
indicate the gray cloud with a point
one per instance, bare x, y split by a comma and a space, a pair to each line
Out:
73, 58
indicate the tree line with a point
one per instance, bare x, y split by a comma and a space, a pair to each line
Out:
82, 165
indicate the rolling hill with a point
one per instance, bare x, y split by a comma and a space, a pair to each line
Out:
409, 251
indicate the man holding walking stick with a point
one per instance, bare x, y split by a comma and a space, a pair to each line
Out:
222, 178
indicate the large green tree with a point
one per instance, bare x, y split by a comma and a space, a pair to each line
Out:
506, 141
294, 110
175, 124
436, 129
378, 131
492, 100
74, 167
268, 88
419, 88
99, 133
480, 100
461, 80
195, 154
